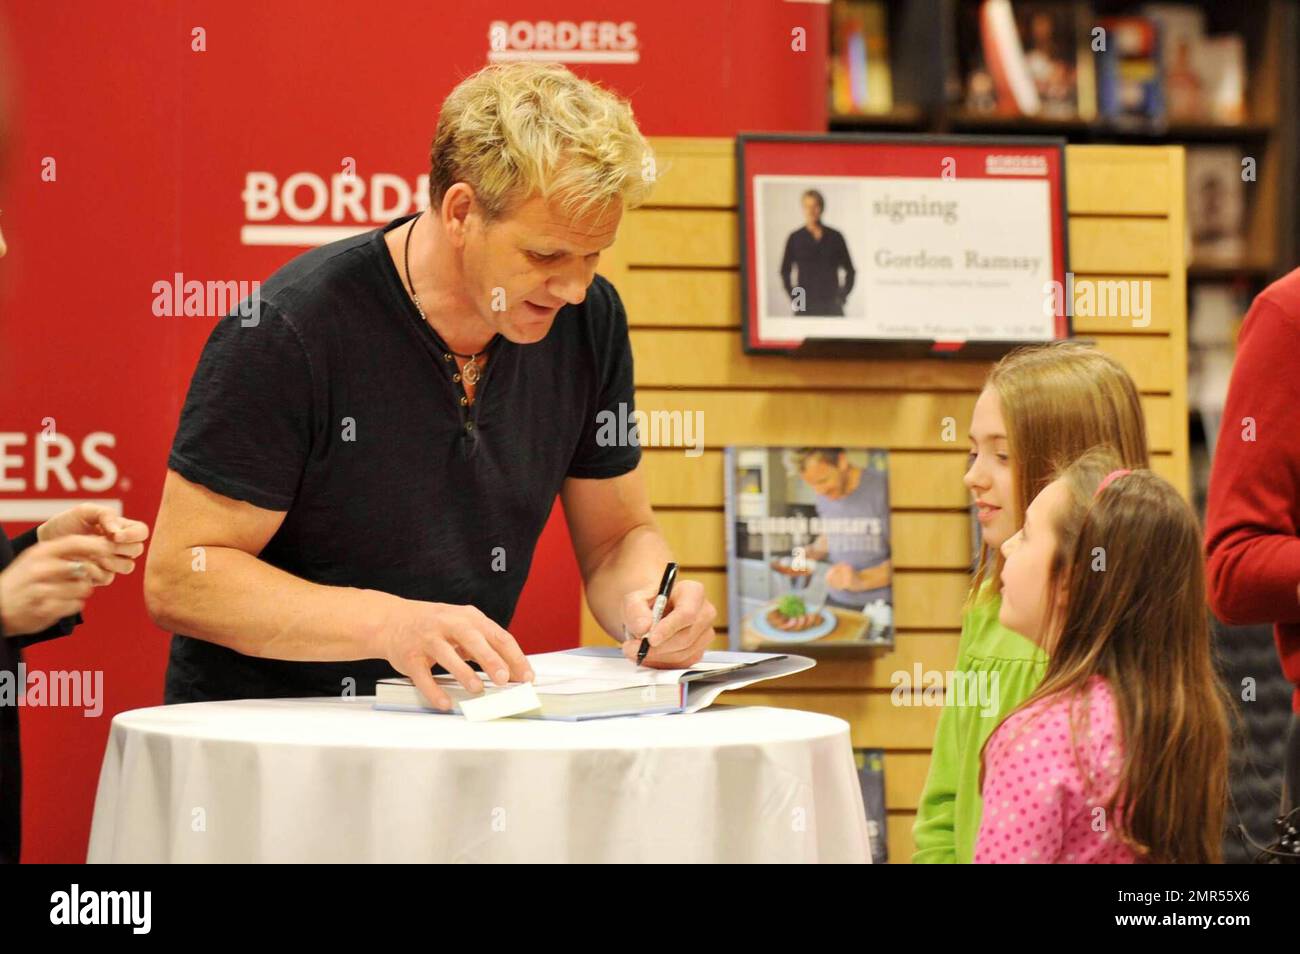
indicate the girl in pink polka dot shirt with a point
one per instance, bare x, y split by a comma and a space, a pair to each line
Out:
1121, 753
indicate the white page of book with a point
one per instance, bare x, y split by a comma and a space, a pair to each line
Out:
563, 673
703, 694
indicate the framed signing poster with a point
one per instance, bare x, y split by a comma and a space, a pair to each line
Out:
855, 245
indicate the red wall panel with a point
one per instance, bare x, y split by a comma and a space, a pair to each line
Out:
152, 144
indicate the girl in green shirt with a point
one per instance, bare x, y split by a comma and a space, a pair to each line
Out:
1041, 407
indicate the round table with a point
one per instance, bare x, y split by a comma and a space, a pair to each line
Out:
333, 779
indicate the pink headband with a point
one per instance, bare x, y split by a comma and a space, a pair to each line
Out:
1110, 478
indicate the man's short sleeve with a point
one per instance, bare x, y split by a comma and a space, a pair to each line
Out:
245, 430
609, 446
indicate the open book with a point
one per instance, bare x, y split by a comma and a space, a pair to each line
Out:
600, 682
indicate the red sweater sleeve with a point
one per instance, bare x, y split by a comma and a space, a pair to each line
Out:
1252, 541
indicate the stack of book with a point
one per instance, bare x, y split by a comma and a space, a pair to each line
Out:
600, 683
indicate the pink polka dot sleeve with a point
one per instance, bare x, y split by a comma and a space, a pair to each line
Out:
1024, 802
1038, 806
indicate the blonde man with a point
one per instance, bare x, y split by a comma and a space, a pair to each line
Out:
361, 473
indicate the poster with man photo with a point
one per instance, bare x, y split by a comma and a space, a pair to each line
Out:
906, 245
808, 559
808, 232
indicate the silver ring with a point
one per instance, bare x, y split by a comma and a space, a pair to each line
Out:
78, 569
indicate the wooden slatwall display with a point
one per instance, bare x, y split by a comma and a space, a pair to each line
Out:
676, 265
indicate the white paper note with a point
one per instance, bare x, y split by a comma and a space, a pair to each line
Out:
499, 705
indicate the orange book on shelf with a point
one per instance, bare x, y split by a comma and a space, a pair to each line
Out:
861, 82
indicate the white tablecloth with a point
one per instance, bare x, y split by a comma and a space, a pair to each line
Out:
335, 780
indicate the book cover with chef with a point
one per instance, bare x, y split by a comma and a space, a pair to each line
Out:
808, 555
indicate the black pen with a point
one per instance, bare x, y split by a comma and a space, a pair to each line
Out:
661, 601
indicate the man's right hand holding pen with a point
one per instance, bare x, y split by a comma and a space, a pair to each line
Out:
683, 633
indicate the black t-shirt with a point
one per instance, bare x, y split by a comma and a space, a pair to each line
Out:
337, 405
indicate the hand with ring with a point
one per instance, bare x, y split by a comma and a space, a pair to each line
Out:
127, 537
49, 581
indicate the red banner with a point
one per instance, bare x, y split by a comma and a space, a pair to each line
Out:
154, 152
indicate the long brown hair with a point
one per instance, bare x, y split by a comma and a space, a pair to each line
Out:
1058, 400
1130, 563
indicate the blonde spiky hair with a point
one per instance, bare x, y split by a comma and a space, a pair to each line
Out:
519, 129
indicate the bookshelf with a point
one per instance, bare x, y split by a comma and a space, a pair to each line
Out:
930, 48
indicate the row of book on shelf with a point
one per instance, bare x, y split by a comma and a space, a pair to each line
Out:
1056, 59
